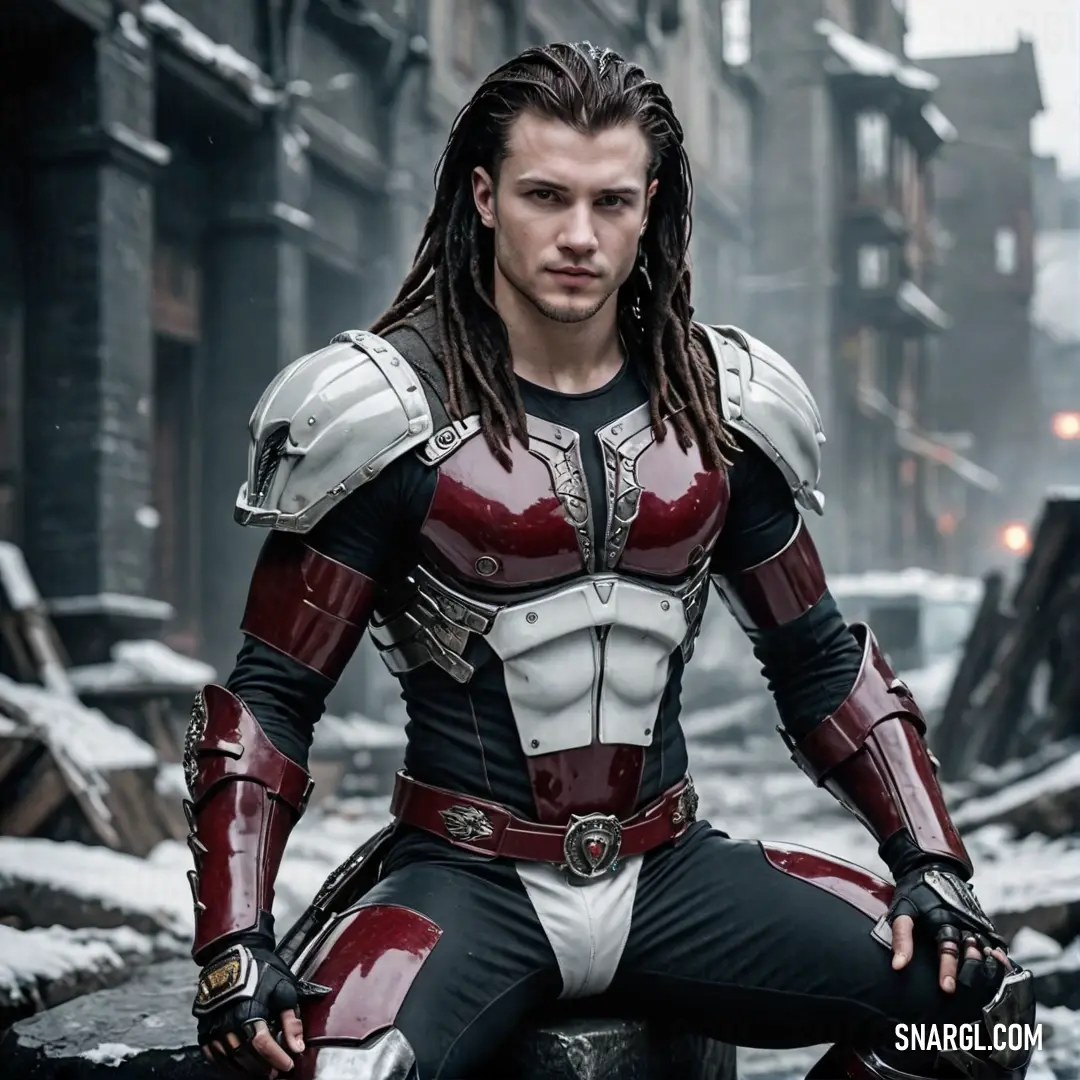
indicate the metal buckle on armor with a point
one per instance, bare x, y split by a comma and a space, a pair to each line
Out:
591, 847
231, 975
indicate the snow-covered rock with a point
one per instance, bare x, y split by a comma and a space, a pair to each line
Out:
44, 966
45, 882
144, 1029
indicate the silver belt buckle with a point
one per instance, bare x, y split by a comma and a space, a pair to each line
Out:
591, 847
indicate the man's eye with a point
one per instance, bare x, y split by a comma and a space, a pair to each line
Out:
543, 194
612, 200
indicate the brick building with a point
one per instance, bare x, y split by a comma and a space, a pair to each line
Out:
195, 194
985, 199
846, 264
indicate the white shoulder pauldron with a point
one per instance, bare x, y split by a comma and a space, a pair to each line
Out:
765, 399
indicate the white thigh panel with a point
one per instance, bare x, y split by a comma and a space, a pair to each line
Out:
566, 682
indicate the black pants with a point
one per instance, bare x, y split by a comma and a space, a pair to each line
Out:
720, 942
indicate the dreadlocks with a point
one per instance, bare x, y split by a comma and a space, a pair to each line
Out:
590, 90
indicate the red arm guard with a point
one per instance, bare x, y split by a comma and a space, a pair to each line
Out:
246, 796
871, 755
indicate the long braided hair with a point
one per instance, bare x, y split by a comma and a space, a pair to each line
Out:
590, 90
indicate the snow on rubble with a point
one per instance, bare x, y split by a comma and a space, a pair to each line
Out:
137, 664
84, 735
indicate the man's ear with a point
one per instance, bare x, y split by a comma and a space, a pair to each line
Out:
650, 191
483, 190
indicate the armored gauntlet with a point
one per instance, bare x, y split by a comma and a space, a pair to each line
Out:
246, 796
871, 754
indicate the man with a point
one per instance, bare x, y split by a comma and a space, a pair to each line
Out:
523, 487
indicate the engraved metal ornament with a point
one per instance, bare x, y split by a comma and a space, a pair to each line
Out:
592, 844
466, 823
231, 975
687, 806
195, 732
957, 894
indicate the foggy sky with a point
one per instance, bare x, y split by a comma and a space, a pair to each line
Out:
955, 27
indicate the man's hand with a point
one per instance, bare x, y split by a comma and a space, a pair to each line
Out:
934, 901
246, 997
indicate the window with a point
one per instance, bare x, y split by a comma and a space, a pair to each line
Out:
871, 150
736, 23
873, 266
1005, 251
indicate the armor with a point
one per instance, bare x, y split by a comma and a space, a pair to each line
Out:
246, 796
326, 424
870, 754
766, 400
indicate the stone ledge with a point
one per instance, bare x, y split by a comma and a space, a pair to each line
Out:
144, 1029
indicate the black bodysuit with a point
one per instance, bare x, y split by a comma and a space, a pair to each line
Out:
462, 737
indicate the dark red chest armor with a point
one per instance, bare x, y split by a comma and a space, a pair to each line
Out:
663, 509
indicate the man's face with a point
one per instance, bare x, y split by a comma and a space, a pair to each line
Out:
567, 213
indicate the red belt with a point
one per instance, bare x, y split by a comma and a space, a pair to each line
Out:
587, 847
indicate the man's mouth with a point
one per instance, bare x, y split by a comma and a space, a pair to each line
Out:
572, 271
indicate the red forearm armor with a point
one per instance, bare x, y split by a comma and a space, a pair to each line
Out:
246, 796
872, 756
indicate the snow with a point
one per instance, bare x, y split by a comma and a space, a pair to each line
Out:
113, 1054
1029, 946
913, 300
154, 887
134, 607
45, 954
1059, 778
138, 664
21, 593
85, 737
145, 147
224, 60
913, 581
129, 27
862, 58
940, 123
171, 782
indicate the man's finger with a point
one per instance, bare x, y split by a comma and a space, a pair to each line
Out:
293, 1030
947, 969
263, 1043
903, 941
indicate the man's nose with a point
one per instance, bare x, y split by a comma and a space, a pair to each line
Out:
578, 232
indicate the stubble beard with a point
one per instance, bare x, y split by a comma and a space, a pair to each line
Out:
566, 313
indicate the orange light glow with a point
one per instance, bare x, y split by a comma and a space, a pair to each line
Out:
946, 523
1015, 537
1066, 425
